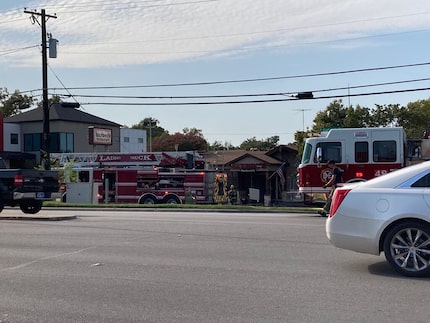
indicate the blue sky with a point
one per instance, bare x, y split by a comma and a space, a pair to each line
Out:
133, 47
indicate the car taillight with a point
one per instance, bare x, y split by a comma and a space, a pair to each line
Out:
18, 180
337, 199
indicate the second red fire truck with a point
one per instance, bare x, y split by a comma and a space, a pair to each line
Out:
362, 154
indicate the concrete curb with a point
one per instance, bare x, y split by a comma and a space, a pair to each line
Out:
38, 217
155, 209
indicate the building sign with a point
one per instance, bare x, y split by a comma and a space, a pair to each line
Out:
99, 136
248, 167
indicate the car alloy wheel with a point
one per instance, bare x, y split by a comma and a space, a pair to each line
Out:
407, 249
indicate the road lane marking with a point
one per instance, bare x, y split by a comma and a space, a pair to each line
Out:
44, 258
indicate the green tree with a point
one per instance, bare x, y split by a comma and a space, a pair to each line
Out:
153, 130
254, 144
218, 145
52, 100
152, 123
332, 117
356, 117
193, 132
385, 115
414, 118
11, 104
336, 115
300, 138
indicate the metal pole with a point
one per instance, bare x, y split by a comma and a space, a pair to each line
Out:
150, 124
150, 137
303, 117
106, 190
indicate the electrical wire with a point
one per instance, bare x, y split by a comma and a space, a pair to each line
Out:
244, 80
9, 51
238, 95
61, 82
253, 101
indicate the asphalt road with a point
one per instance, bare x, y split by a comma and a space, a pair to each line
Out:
128, 266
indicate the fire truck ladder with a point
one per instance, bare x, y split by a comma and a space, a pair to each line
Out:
164, 159
81, 159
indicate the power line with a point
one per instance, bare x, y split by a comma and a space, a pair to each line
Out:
170, 97
244, 80
253, 101
12, 20
58, 79
14, 50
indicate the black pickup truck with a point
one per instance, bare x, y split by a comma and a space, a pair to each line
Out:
27, 188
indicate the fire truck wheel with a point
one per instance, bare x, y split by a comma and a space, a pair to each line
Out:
147, 200
171, 199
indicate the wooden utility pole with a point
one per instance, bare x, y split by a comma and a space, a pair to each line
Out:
46, 131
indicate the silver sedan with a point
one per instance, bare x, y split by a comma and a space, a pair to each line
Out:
389, 214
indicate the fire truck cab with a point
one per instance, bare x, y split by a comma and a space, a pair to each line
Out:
80, 186
362, 153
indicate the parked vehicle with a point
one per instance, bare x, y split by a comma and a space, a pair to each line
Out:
390, 213
27, 188
148, 178
362, 154
144, 185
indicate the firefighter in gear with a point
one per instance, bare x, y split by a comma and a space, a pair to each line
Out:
220, 191
232, 195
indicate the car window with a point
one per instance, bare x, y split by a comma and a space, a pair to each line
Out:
422, 182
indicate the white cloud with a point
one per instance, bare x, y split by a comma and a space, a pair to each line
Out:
113, 33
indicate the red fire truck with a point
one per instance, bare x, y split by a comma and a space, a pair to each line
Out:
140, 178
362, 153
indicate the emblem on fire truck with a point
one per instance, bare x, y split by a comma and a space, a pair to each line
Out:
325, 175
